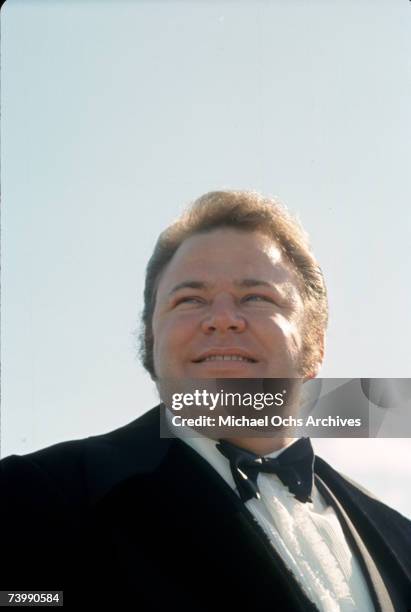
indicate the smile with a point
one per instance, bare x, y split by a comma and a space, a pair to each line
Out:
226, 358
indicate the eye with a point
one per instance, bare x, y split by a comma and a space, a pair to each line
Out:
188, 299
258, 298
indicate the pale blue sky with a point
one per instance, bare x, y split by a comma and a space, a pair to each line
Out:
116, 114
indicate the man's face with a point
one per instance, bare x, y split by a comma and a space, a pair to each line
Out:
228, 306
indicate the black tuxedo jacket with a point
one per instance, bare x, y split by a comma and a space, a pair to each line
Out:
130, 520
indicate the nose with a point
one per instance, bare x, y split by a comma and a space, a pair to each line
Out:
223, 316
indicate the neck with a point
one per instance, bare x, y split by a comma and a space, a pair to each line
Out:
260, 446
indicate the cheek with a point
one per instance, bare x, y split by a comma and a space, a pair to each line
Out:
173, 332
280, 330
163, 348
171, 342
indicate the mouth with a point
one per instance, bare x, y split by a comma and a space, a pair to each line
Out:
225, 356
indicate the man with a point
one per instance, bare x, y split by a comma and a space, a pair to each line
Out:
131, 519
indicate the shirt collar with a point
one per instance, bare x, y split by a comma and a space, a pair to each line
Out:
206, 448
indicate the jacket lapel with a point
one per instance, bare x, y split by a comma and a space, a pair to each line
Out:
380, 535
378, 590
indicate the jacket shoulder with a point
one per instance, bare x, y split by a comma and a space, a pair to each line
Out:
74, 468
346, 487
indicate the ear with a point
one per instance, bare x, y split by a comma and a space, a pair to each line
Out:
316, 367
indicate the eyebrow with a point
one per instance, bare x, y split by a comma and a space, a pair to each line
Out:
244, 282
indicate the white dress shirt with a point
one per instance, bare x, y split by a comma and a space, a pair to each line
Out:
307, 536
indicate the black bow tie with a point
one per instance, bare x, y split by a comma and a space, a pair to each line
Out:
294, 467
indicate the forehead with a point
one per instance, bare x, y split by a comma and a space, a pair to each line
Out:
224, 255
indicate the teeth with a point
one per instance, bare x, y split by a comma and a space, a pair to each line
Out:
226, 358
